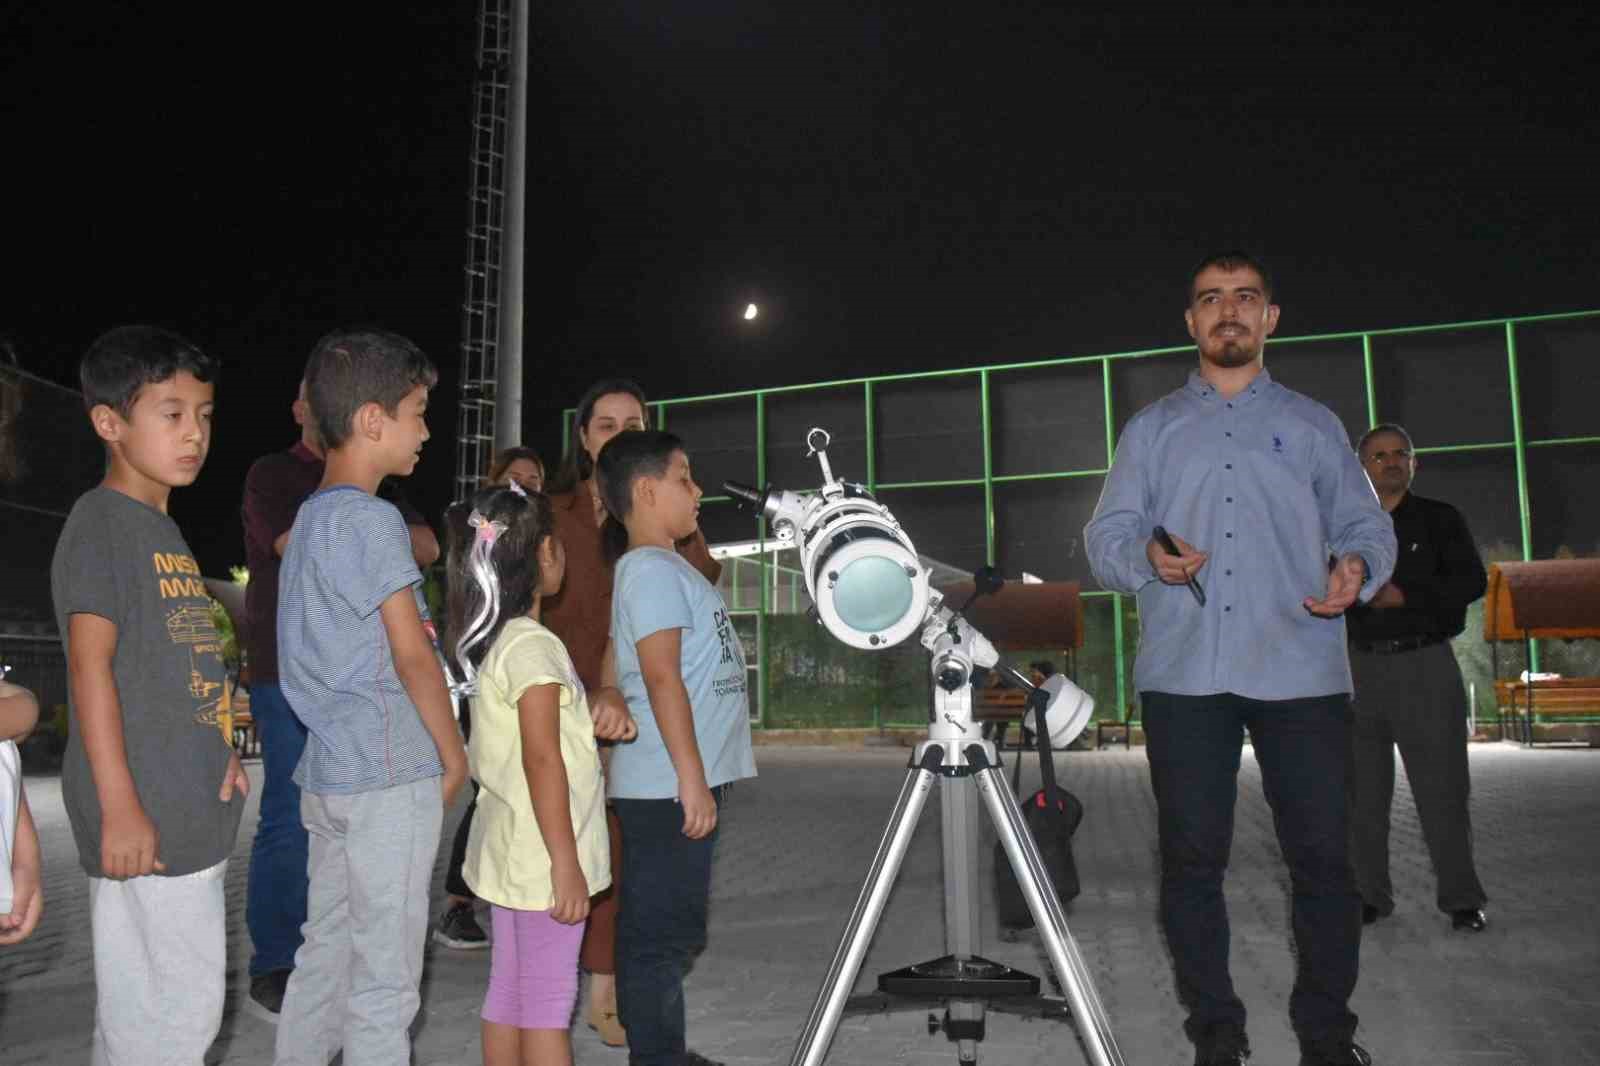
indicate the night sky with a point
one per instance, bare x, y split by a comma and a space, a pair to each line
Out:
899, 186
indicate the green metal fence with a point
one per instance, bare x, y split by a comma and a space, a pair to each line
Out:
1472, 394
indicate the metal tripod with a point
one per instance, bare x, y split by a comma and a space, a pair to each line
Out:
956, 752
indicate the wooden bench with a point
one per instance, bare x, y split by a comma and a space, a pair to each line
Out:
1001, 706
1543, 599
1556, 697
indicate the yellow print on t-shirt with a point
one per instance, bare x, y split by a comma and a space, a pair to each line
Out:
191, 624
171, 587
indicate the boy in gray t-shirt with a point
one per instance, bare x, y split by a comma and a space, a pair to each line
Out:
151, 783
356, 661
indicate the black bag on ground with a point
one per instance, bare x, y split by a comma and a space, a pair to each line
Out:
1052, 815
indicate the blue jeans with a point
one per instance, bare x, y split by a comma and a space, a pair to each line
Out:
1303, 748
661, 925
275, 897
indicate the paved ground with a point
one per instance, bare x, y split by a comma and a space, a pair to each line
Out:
796, 844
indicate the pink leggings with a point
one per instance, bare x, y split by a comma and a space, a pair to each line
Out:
533, 970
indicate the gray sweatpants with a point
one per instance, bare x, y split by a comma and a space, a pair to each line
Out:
355, 980
160, 952
1413, 700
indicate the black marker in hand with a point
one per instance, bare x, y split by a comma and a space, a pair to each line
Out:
1163, 539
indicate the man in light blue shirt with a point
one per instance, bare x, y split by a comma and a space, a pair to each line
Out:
1241, 628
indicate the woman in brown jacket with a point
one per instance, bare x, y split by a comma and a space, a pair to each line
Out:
580, 614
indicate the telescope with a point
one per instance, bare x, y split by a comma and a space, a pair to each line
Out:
872, 592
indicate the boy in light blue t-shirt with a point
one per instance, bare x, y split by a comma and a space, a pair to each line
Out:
357, 663
681, 667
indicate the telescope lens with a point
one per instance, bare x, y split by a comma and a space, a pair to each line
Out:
872, 594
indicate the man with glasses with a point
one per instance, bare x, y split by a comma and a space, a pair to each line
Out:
1409, 692
1222, 507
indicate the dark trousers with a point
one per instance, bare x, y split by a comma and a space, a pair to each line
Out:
454, 883
275, 890
661, 925
598, 953
1413, 700
1303, 748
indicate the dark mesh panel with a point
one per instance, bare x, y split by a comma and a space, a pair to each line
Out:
748, 628
791, 415
30, 542
1097, 659
720, 436
49, 456
1048, 420
1559, 363
1329, 372
1566, 507
1483, 487
722, 523
1039, 528
1445, 388
1138, 383
945, 523
930, 429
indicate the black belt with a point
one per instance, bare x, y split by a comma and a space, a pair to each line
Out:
1397, 644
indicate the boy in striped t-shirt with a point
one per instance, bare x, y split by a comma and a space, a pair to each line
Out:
358, 667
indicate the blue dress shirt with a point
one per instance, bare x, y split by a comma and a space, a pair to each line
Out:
1267, 483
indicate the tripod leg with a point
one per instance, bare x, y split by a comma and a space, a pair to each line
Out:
1049, 917
962, 922
824, 1020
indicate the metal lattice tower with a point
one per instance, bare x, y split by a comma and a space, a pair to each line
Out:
480, 314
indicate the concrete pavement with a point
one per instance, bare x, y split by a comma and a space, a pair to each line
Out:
795, 847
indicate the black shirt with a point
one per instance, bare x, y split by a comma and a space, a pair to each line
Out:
1437, 569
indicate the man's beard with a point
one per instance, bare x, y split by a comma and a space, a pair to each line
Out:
1234, 352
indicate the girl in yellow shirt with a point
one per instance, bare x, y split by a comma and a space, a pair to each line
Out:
538, 848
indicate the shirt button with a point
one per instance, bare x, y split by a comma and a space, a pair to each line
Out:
1228, 572
1227, 608
1225, 433
1228, 535
1228, 499
1227, 466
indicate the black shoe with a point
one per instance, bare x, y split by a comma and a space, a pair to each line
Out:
458, 929
1370, 914
1472, 919
266, 994
694, 1058
1344, 1053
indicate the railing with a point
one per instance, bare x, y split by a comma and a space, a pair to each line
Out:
1371, 363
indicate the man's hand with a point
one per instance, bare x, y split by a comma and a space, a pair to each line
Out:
699, 810
569, 904
1344, 582
1388, 596
234, 778
609, 712
128, 843
1175, 569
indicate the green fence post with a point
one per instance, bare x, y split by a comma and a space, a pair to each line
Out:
988, 471
1366, 369
763, 688
1116, 597
1521, 446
